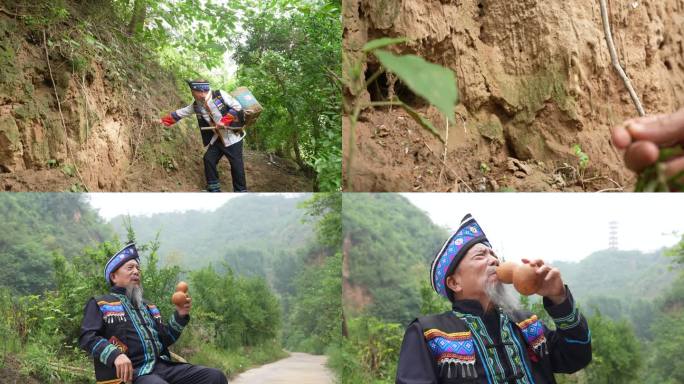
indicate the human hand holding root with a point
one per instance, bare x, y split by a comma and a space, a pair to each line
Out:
533, 277
181, 300
654, 148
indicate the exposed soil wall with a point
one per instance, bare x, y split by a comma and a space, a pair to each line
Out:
534, 79
111, 98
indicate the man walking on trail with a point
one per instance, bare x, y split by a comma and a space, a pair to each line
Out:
220, 110
126, 336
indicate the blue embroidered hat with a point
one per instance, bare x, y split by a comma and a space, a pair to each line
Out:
199, 85
120, 258
468, 234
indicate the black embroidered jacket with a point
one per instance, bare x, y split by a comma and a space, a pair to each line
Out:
112, 326
466, 345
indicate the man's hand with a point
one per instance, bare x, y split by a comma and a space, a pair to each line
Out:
184, 309
168, 120
643, 137
124, 368
226, 120
552, 285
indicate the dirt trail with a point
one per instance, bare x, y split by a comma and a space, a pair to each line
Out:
299, 368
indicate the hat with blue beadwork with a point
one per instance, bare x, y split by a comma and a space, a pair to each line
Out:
199, 85
468, 234
120, 258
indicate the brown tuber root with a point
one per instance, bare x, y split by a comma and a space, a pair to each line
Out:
181, 296
182, 287
505, 272
523, 277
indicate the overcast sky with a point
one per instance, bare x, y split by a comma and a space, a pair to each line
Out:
561, 226
551, 226
113, 204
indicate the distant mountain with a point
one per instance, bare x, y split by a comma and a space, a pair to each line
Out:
248, 233
389, 244
618, 274
34, 226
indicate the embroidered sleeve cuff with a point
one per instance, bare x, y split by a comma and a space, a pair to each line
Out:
565, 315
109, 354
178, 322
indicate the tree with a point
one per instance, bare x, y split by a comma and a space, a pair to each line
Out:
135, 26
292, 64
616, 352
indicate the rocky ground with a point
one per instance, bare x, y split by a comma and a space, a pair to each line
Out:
535, 80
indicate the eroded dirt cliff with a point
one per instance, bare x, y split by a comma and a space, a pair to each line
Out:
79, 109
534, 78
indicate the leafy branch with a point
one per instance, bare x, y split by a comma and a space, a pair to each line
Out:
434, 83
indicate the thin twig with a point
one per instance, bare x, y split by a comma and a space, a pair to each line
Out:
59, 107
610, 190
137, 140
444, 164
446, 146
85, 99
605, 178
8, 13
614, 59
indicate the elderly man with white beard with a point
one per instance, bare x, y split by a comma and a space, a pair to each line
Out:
486, 338
127, 337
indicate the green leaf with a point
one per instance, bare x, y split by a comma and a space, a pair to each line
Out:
433, 82
383, 42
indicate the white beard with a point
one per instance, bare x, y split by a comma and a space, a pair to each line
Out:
502, 296
134, 292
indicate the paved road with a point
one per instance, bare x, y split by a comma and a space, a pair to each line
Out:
299, 368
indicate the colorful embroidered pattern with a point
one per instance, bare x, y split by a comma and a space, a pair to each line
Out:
154, 311
112, 311
452, 351
442, 263
148, 349
106, 352
456, 346
533, 330
493, 366
568, 322
119, 344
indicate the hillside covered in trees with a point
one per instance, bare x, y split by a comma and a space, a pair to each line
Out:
240, 318
84, 83
633, 300
258, 231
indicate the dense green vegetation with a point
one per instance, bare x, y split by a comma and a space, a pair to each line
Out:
315, 302
391, 246
596, 275
36, 226
288, 52
635, 311
240, 320
293, 65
